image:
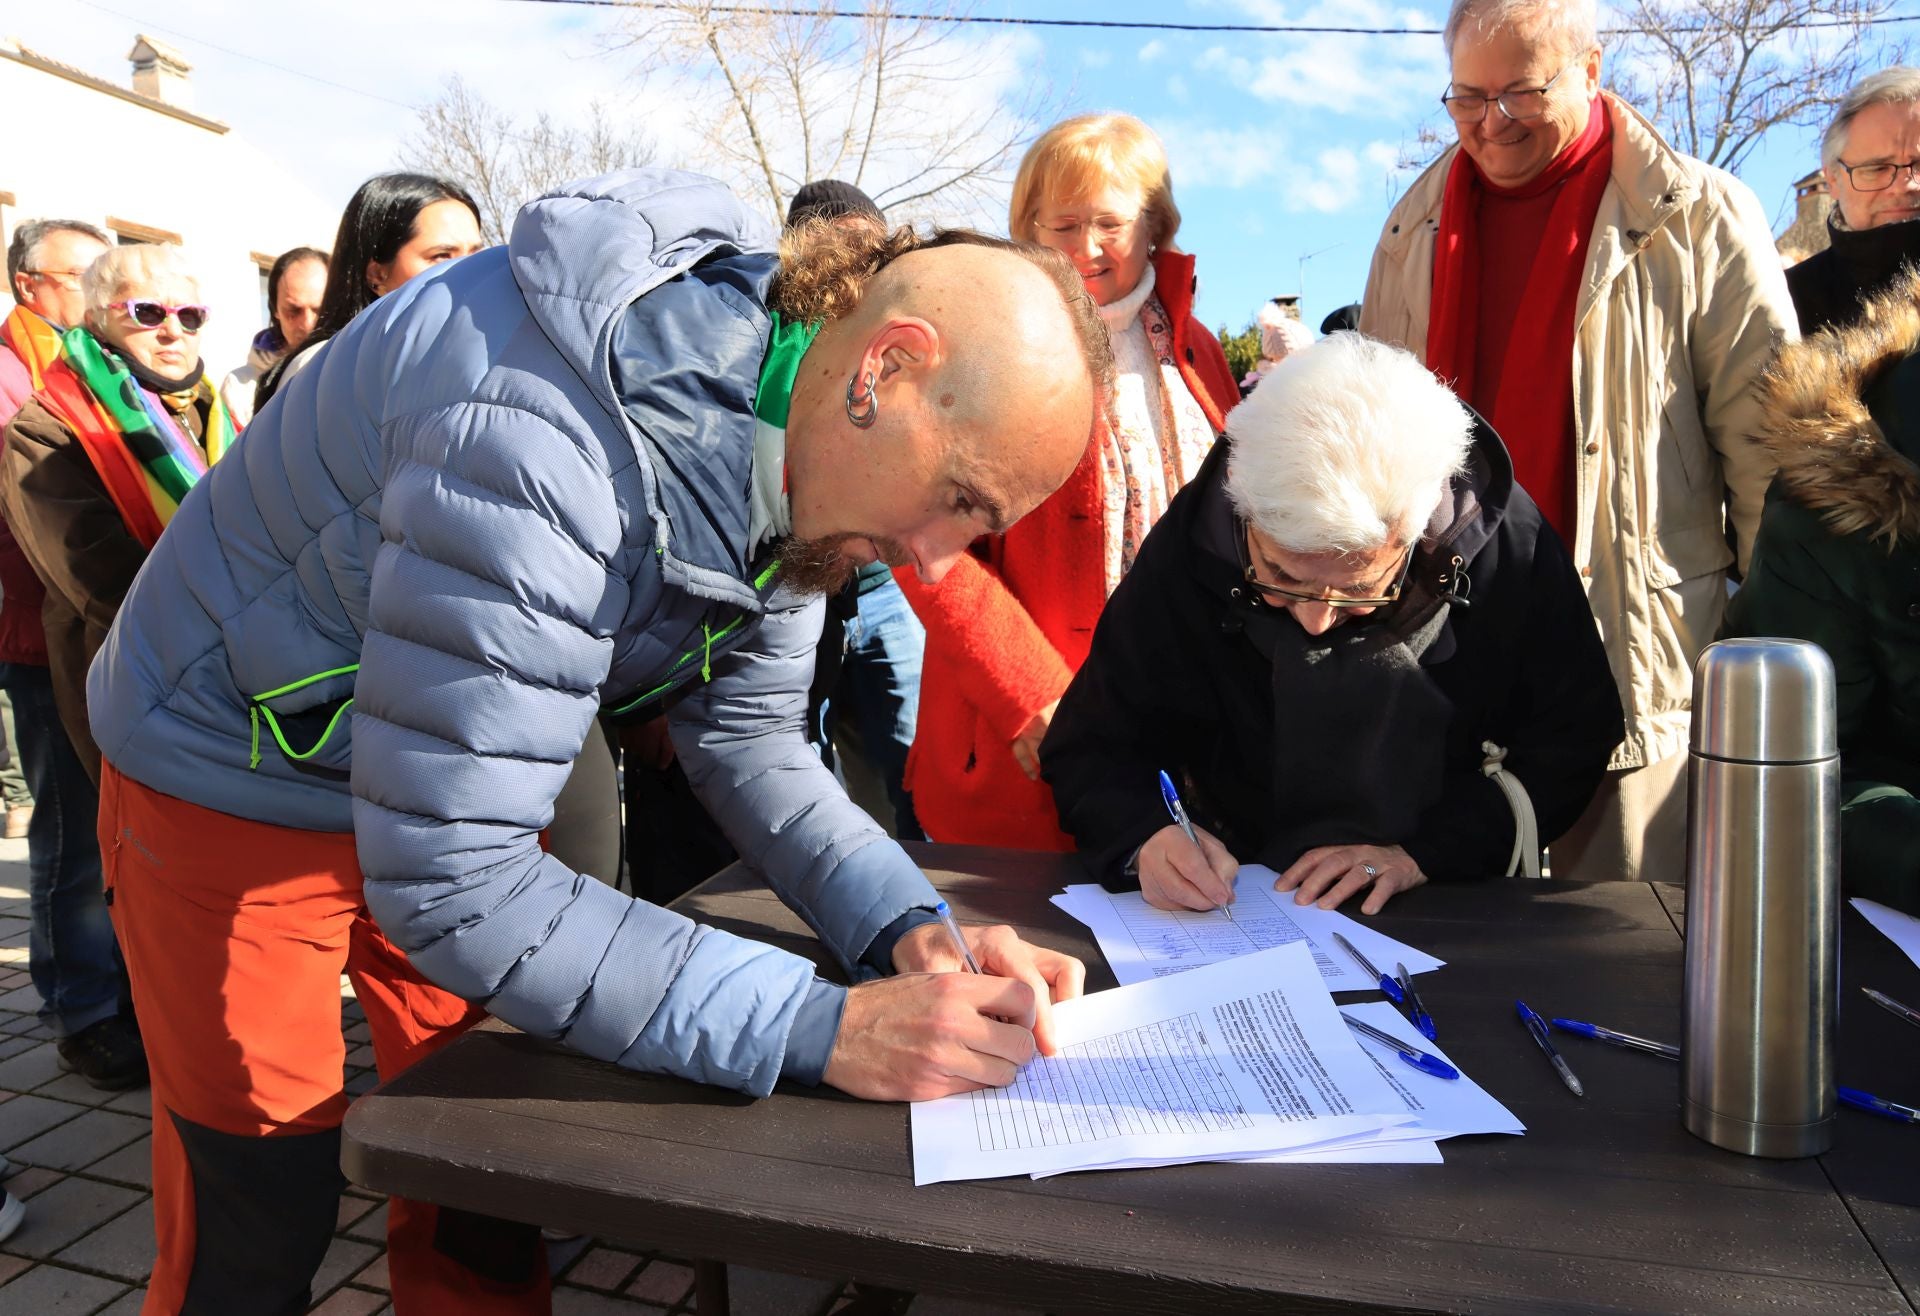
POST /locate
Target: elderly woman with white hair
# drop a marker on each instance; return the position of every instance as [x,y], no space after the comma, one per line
[124,423]
[1341,632]
[1870,155]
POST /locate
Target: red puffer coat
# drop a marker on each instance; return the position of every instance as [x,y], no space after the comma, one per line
[1011,623]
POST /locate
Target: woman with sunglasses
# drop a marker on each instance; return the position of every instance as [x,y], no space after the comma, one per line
[1009,625]
[1353,642]
[124,423]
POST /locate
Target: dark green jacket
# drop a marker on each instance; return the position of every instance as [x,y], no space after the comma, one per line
[1837,562]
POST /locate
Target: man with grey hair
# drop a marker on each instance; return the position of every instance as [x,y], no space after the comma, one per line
[1336,628]
[73,956]
[1870,155]
[1606,303]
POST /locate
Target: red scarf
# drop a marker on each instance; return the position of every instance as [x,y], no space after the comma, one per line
[1530,404]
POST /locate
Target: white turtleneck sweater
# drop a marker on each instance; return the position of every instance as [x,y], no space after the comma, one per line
[1160,435]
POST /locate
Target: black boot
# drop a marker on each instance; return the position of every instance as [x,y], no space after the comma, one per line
[109,1055]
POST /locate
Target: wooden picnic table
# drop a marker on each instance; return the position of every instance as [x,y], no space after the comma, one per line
[1606,1203]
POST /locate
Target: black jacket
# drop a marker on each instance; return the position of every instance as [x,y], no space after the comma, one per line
[1177,680]
[1831,287]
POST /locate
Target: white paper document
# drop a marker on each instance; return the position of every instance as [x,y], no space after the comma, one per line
[1902,929]
[1141,942]
[1222,1062]
[1442,1107]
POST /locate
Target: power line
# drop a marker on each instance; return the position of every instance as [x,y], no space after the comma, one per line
[241,54]
[1144,25]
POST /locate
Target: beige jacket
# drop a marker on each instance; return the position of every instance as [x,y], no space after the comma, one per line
[1684,303]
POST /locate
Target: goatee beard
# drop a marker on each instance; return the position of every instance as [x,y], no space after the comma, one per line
[821,566]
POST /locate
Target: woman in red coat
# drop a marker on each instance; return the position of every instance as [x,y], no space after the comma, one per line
[1010,624]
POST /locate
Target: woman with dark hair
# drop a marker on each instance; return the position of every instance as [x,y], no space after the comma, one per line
[396,226]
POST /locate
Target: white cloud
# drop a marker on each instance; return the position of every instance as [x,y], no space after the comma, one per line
[1096,59]
[1327,181]
[1153,50]
[1378,77]
[1177,89]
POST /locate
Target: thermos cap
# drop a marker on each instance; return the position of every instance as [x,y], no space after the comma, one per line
[1764,701]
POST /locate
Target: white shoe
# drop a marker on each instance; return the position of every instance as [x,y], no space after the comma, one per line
[12,1212]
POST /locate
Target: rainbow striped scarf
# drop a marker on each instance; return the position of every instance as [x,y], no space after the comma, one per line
[147,461]
[33,340]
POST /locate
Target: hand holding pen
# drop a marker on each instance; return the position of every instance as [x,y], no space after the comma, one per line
[1181,867]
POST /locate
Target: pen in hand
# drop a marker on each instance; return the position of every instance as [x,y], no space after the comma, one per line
[1538,1027]
[1179,812]
[945,913]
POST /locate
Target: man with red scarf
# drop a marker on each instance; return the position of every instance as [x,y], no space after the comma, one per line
[1606,303]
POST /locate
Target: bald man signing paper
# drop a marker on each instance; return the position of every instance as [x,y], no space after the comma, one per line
[606,470]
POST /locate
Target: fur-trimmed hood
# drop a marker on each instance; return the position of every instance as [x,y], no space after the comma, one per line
[1834,456]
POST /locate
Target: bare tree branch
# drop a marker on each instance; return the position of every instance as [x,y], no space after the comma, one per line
[1717,75]
[892,102]
[504,163]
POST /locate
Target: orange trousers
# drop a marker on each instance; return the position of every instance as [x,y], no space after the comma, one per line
[235,935]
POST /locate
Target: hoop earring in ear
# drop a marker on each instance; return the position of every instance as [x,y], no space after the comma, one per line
[862,406]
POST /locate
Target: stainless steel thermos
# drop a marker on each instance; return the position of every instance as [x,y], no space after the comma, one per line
[1763,899]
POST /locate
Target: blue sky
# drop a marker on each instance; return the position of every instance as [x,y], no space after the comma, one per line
[1283,147]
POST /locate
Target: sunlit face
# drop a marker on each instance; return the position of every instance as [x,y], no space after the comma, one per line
[443,231]
[932,473]
[51,289]
[1879,134]
[167,349]
[1104,235]
[1513,152]
[906,501]
[297,308]
[1367,575]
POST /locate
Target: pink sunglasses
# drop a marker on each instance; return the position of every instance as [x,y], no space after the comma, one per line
[151,315]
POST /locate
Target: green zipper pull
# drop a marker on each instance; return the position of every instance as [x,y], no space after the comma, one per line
[706,658]
[253,754]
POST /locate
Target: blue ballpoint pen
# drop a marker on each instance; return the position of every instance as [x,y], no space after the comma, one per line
[1628,1040]
[945,914]
[1179,812]
[1423,1061]
[1538,1027]
[1416,1008]
[1387,985]
[1893,1110]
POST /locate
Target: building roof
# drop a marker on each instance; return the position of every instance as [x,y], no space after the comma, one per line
[33,59]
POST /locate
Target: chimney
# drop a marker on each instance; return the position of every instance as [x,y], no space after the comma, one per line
[160,73]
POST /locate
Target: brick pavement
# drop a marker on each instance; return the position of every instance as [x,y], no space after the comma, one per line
[80,1164]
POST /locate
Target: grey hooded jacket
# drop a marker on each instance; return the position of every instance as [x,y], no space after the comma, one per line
[398,604]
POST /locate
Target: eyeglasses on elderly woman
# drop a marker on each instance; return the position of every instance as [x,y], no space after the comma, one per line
[1271,593]
[1069,228]
[151,315]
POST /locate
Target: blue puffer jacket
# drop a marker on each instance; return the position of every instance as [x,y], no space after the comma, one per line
[450,524]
